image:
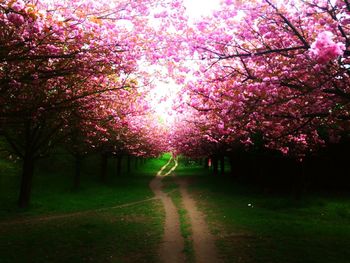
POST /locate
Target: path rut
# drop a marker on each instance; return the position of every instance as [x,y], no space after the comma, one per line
[171,250]
[203,241]
[173,243]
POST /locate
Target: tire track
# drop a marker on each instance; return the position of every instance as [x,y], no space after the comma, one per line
[203,241]
[171,250]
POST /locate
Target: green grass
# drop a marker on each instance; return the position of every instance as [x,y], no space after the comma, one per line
[118,235]
[52,187]
[153,165]
[272,229]
[128,234]
[254,227]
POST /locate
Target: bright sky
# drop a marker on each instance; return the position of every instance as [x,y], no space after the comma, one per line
[196,8]
[165,92]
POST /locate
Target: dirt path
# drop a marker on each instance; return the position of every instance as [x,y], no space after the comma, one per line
[173,243]
[171,250]
[39,219]
[203,241]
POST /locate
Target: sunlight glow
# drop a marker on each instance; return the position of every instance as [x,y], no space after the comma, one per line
[162,97]
[197,8]
[165,91]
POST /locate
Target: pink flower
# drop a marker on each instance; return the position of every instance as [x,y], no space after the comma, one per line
[221,126]
[202,26]
[53,49]
[15,19]
[18,5]
[247,142]
[284,150]
[324,49]
[161,15]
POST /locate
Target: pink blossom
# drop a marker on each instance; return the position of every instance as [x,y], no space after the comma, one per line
[53,49]
[202,26]
[161,15]
[18,5]
[247,142]
[15,19]
[324,49]
[284,150]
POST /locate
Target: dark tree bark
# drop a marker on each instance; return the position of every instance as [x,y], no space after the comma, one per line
[300,180]
[240,165]
[104,164]
[128,163]
[222,165]
[136,163]
[26,180]
[232,166]
[77,175]
[119,164]
[215,163]
[206,163]
[200,161]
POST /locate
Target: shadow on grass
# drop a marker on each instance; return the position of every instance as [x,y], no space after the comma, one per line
[128,234]
[253,226]
[123,235]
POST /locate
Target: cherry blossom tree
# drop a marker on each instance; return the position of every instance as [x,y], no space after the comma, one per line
[276,70]
[256,73]
[55,59]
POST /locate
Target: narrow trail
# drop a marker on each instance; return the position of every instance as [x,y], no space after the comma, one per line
[171,250]
[203,241]
[43,218]
[39,219]
[173,243]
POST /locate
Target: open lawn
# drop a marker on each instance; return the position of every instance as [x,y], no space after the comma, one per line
[92,224]
[84,225]
[251,226]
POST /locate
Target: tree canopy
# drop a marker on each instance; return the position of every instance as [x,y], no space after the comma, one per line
[264,72]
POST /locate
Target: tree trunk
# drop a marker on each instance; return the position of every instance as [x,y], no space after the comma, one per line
[104,164]
[128,163]
[240,162]
[136,162]
[77,174]
[222,165]
[215,165]
[232,166]
[200,161]
[26,181]
[119,165]
[206,163]
[299,181]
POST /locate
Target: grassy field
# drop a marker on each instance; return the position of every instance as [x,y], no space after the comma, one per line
[254,227]
[63,225]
